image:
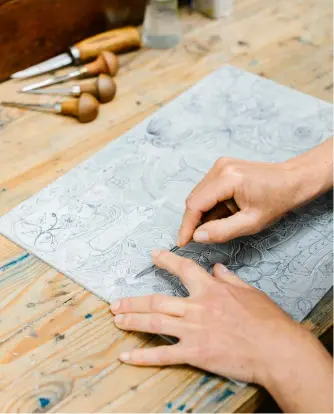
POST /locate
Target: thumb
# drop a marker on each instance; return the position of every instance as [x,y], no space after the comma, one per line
[222,273]
[223,230]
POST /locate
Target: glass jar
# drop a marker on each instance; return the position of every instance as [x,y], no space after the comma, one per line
[162,27]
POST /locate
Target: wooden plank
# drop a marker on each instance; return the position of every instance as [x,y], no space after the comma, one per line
[28,35]
[58,345]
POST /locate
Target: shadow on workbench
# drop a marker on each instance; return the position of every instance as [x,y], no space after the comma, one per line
[269,405]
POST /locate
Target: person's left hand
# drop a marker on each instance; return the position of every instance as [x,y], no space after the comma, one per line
[225,326]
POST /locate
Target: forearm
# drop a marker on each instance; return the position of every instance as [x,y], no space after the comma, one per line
[302,380]
[311,173]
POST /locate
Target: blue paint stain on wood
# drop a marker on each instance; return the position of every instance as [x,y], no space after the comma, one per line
[205,379]
[304,41]
[44,402]
[253,62]
[88,316]
[224,395]
[181,407]
[14,262]
[169,405]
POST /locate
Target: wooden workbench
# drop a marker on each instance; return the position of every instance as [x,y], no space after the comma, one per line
[58,345]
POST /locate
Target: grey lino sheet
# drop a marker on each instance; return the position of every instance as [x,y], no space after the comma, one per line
[98,223]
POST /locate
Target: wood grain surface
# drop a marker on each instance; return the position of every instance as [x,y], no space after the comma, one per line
[58,344]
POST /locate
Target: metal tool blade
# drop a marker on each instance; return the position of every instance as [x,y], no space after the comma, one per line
[34,107]
[221,210]
[38,85]
[55,91]
[145,271]
[51,81]
[153,267]
[57,62]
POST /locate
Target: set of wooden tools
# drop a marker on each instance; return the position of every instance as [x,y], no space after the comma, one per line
[88,95]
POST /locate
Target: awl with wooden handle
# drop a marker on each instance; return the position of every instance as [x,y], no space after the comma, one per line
[117,40]
[85,109]
[103,88]
[106,63]
[221,210]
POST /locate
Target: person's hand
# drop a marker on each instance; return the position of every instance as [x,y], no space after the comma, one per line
[225,326]
[263,192]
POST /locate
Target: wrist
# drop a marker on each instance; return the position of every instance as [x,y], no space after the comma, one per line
[298,186]
[279,353]
[301,369]
[306,182]
[288,345]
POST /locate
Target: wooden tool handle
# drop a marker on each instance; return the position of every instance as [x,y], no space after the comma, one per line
[104,88]
[85,109]
[106,62]
[117,40]
[221,210]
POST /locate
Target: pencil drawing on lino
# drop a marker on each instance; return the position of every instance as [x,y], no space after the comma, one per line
[98,223]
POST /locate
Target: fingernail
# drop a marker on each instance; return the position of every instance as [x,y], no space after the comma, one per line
[201,236]
[221,267]
[155,252]
[114,306]
[124,356]
[118,319]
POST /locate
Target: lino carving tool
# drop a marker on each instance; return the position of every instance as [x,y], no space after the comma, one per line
[221,210]
[106,62]
[117,40]
[103,88]
[85,109]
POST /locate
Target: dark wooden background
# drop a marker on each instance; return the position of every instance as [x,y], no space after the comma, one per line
[34,30]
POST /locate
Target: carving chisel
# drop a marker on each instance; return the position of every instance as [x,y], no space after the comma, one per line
[85,109]
[103,88]
[106,62]
[117,40]
[221,210]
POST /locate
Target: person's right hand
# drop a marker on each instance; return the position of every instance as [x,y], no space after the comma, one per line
[263,192]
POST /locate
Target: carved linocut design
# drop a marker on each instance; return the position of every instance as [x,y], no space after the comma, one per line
[98,223]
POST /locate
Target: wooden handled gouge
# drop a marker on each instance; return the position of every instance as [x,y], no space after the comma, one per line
[84,109]
[106,63]
[117,40]
[103,88]
[221,210]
